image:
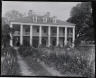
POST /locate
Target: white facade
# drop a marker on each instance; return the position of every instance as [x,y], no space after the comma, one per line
[53,34]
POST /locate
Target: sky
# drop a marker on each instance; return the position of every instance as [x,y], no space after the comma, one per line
[59,9]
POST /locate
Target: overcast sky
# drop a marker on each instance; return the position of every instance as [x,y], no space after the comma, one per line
[59,9]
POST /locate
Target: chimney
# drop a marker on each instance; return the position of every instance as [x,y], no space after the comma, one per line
[48,14]
[30,12]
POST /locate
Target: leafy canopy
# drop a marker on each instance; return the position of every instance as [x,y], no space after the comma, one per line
[81,15]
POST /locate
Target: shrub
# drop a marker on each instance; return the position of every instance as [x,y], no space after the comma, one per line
[25,50]
[29,51]
[74,61]
[26,43]
[9,64]
[42,46]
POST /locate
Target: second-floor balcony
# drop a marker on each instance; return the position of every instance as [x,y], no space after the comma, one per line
[16,33]
[69,34]
[26,33]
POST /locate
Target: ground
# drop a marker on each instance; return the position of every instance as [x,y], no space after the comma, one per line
[36,68]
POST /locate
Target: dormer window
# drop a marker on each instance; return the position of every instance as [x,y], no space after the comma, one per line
[44,19]
[54,19]
[35,18]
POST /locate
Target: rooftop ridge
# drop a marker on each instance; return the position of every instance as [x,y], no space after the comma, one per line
[39,13]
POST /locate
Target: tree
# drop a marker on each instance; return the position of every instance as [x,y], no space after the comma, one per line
[81,15]
[6,30]
[13,14]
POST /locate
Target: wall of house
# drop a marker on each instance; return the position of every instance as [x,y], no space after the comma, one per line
[24,32]
[35,33]
[45,34]
[61,34]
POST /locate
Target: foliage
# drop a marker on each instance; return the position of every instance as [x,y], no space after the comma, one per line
[9,64]
[28,50]
[13,14]
[81,15]
[74,61]
[21,49]
[6,30]
[42,45]
[26,43]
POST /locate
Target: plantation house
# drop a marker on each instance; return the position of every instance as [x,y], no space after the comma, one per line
[39,29]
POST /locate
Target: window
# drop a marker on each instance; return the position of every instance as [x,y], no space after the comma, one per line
[54,20]
[54,31]
[44,30]
[44,19]
[35,18]
[27,30]
[37,29]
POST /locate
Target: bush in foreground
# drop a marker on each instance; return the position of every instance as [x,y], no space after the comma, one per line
[9,64]
[73,61]
[29,51]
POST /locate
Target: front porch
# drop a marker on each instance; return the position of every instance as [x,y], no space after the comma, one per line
[35,41]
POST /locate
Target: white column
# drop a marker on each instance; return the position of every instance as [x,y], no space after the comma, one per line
[31,29]
[40,35]
[21,34]
[49,29]
[57,36]
[11,40]
[73,39]
[65,36]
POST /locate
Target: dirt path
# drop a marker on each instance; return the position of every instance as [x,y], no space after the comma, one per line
[51,70]
[36,67]
[24,68]
[30,67]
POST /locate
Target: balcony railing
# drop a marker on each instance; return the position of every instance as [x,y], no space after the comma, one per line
[16,33]
[53,34]
[26,33]
[69,34]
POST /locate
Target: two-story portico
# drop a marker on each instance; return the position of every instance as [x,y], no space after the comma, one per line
[45,30]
